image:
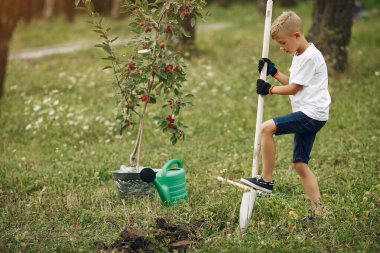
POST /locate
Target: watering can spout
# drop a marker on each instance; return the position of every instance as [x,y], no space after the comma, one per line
[163,191]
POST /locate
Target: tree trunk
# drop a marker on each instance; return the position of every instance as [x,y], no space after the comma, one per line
[331,30]
[288,3]
[49,7]
[68,9]
[115,11]
[11,11]
[6,30]
[224,3]
[188,43]
[261,6]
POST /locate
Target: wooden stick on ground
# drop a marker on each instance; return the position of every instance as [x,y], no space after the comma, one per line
[241,186]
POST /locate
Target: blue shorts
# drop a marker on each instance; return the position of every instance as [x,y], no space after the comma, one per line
[304,129]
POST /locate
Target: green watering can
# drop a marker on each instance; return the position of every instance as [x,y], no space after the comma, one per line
[170,183]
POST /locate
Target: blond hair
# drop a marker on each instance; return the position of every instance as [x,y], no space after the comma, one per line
[288,22]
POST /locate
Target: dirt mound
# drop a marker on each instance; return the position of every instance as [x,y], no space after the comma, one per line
[164,237]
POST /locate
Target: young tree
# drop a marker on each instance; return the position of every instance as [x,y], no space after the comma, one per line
[152,72]
[331,30]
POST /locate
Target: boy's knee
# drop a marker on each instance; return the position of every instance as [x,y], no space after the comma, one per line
[268,127]
[299,167]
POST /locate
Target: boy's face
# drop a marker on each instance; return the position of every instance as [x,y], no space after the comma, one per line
[289,43]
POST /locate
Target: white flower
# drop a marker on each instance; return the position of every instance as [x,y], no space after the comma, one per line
[85,127]
[56,102]
[39,121]
[36,108]
[51,112]
[227,88]
[72,79]
[108,123]
[28,127]
[46,100]
[61,74]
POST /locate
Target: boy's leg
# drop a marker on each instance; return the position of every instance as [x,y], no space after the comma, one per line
[303,144]
[268,149]
[310,185]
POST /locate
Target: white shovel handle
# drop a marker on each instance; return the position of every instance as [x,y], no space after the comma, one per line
[249,198]
[263,76]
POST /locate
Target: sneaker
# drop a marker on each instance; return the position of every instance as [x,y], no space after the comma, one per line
[258,183]
[307,219]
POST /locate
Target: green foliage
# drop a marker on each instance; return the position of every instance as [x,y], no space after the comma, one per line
[151,69]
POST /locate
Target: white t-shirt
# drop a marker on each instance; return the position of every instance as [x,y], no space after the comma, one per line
[309,70]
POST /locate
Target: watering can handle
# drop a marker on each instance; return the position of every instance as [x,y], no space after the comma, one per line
[169,164]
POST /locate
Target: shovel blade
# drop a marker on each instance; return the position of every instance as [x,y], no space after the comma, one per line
[246,207]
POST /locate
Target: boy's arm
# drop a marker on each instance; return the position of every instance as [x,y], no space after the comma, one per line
[288,89]
[282,78]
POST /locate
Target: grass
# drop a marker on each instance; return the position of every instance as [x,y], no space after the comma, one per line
[60,142]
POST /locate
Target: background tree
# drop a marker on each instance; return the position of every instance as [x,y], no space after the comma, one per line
[55,7]
[331,30]
[115,10]
[288,3]
[187,42]
[11,11]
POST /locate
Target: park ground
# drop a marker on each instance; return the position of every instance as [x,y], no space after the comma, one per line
[59,142]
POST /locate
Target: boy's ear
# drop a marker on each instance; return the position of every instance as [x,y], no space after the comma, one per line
[297,34]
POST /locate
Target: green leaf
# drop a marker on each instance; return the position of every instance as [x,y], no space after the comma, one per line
[114,38]
[193,21]
[122,128]
[98,31]
[133,24]
[152,100]
[109,58]
[174,139]
[185,33]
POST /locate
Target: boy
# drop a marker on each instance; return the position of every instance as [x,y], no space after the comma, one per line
[310,100]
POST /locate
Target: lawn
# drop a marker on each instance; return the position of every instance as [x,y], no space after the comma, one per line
[60,141]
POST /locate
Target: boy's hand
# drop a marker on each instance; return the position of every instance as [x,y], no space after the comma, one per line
[262,87]
[271,69]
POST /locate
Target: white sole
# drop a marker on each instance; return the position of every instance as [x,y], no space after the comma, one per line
[255,186]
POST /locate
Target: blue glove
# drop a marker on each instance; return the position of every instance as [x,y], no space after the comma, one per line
[271,69]
[262,87]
